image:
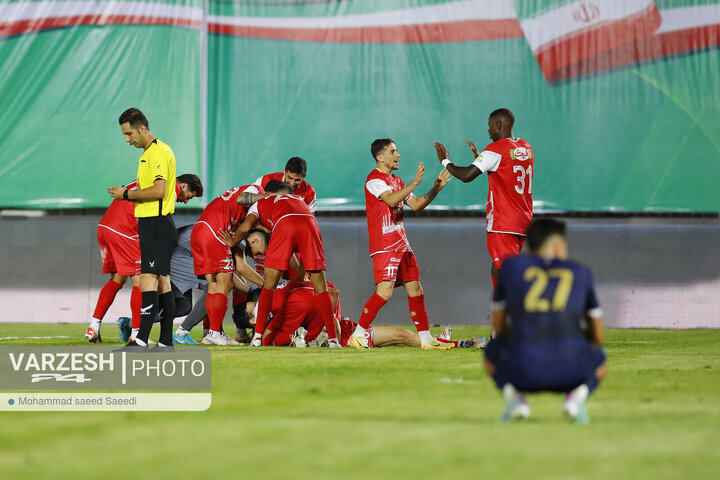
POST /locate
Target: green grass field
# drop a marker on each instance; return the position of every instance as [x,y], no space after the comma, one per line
[389,413]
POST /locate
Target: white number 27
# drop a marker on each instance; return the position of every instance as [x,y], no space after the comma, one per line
[520,188]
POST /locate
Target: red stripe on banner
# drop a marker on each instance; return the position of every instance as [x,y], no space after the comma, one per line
[656,46]
[27,26]
[463,31]
[584,44]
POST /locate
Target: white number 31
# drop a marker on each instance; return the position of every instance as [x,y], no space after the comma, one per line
[520,188]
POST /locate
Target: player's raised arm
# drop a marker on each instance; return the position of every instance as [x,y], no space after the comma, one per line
[242,232]
[393,198]
[247,198]
[466,174]
[419,203]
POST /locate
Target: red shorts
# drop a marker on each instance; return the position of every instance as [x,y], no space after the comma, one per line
[210,254]
[298,310]
[347,327]
[296,233]
[503,245]
[398,267]
[120,253]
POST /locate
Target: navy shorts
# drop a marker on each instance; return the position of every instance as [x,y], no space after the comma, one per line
[540,369]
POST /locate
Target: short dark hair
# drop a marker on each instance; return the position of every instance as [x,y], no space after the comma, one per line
[193,182]
[542,229]
[379,145]
[134,117]
[265,235]
[278,186]
[296,165]
[504,114]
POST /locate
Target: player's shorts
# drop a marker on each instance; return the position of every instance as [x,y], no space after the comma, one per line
[296,233]
[299,310]
[157,242]
[210,254]
[398,267]
[347,327]
[548,369]
[120,253]
[503,245]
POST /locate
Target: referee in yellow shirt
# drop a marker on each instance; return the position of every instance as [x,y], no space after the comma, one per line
[154,206]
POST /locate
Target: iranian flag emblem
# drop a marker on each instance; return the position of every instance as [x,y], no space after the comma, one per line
[563,33]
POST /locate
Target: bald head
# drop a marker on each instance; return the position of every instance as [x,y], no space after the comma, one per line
[500,124]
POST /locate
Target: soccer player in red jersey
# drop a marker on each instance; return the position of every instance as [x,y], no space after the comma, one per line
[120,251]
[213,258]
[394,262]
[508,161]
[294,229]
[294,175]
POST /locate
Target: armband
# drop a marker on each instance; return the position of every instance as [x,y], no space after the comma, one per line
[446,162]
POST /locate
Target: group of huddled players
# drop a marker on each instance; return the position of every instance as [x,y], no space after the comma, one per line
[272,221]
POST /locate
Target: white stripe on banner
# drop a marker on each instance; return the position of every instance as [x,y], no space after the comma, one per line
[566,20]
[446,12]
[15,12]
[688,17]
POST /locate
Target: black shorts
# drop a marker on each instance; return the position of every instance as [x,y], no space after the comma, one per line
[157,241]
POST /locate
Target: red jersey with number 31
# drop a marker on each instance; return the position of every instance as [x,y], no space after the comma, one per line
[509,165]
[224,212]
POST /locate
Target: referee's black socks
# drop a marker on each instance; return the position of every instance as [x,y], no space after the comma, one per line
[167,304]
[148,312]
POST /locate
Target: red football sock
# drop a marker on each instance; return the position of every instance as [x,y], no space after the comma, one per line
[107,295]
[135,306]
[216,304]
[370,310]
[206,320]
[264,305]
[454,342]
[239,298]
[418,314]
[325,308]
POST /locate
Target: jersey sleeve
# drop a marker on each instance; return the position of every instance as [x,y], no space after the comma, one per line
[377,187]
[158,164]
[252,189]
[258,182]
[592,307]
[499,300]
[311,199]
[254,210]
[488,161]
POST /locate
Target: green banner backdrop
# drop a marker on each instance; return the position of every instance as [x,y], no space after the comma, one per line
[619,99]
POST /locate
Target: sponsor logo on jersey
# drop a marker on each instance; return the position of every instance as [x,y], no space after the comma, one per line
[520,154]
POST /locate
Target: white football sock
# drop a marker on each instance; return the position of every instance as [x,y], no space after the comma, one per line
[425,337]
[580,394]
[359,331]
[95,324]
[133,333]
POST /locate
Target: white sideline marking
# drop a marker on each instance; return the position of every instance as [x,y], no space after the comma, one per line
[33,338]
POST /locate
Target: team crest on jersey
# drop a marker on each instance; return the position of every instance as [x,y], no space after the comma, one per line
[520,153]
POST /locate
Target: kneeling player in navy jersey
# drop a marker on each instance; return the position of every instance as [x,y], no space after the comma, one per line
[552,342]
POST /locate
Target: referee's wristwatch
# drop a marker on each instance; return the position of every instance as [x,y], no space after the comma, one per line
[125,194]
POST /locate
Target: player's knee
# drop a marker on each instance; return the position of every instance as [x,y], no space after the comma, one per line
[385,291]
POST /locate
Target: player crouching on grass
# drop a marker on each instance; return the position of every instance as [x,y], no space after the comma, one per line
[553,342]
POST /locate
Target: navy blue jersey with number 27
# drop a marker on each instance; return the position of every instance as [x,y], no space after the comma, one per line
[546,301]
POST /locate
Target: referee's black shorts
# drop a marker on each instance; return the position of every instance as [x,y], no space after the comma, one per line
[157,241]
